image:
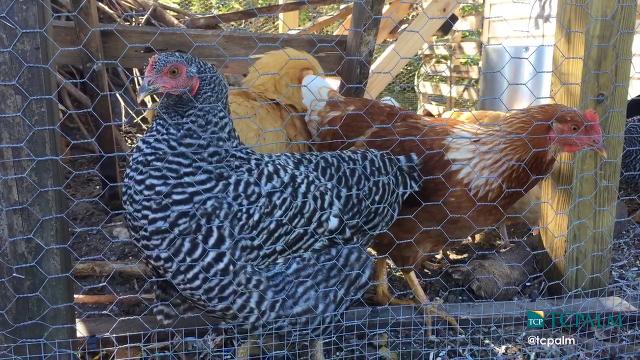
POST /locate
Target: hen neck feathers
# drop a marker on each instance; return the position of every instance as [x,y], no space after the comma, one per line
[201,121]
[492,158]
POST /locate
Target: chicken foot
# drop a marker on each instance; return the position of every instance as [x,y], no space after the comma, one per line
[430,308]
[383,292]
[503,233]
[249,348]
[384,297]
[317,351]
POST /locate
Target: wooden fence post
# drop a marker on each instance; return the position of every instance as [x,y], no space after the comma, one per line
[390,63]
[361,42]
[36,288]
[288,20]
[591,65]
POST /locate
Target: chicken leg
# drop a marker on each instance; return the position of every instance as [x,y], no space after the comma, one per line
[383,292]
[430,308]
[384,297]
[504,235]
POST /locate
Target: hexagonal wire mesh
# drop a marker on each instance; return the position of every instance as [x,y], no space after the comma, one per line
[267,252]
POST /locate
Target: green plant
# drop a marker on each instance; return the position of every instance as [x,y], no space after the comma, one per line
[471,34]
[471,9]
[470,60]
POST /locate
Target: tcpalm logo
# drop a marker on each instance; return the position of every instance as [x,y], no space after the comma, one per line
[535,319]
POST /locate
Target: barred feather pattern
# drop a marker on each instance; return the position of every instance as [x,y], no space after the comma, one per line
[630,176]
[263,239]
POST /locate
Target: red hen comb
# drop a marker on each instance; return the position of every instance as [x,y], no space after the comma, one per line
[591,116]
[151,65]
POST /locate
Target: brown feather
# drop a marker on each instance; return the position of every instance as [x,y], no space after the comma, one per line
[450,205]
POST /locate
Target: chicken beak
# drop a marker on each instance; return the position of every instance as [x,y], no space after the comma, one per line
[147,88]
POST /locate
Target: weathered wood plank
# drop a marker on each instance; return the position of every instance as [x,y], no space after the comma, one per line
[105,299]
[211,21]
[158,13]
[37,296]
[97,87]
[393,13]
[288,21]
[327,20]
[511,22]
[591,60]
[395,57]
[361,42]
[456,91]
[231,52]
[469,314]
[518,28]
[108,268]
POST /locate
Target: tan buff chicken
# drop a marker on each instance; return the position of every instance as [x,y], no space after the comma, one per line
[268,112]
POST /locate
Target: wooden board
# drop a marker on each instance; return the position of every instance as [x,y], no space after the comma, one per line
[397,55]
[288,21]
[361,43]
[513,22]
[211,21]
[469,314]
[324,21]
[231,52]
[392,14]
[579,197]
[36,294]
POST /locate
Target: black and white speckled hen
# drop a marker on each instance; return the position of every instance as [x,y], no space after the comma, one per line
[263,239]
[630,169]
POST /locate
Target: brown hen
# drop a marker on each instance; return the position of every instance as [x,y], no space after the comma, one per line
[471,171]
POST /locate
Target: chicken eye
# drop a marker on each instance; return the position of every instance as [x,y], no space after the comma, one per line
[574,128]
[174,72]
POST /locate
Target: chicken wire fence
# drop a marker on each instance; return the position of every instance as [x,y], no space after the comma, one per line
[76,285]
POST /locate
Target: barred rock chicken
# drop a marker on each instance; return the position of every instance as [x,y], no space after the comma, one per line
[471,172]
[630,169]
[271,240]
